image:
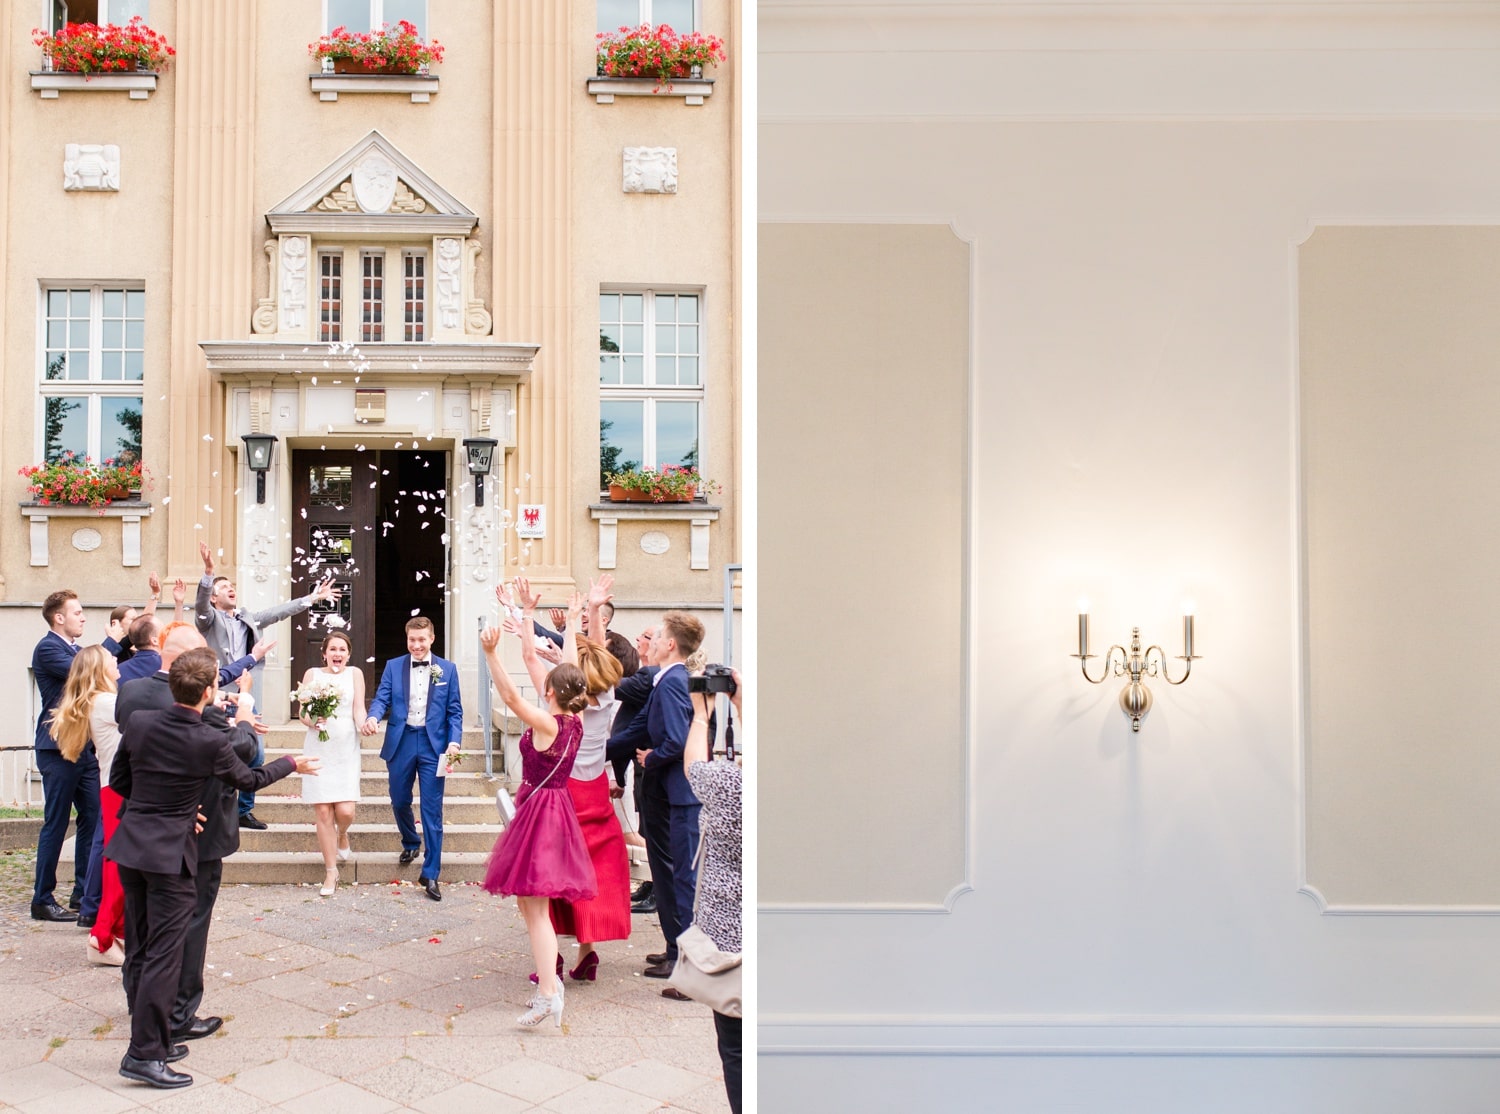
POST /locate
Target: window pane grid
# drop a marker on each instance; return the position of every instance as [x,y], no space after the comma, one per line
[414,294]
[92,336]
[372,296]
[369,15]
[330,295]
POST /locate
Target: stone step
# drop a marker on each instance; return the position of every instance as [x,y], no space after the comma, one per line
[370,761]
[379,785]
[371,837]
[377,867]
[290,736]
[456,810]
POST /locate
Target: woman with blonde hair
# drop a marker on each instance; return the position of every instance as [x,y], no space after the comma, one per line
[541,854]
[86,713]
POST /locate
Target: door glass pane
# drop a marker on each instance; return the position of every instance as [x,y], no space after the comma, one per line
[413,11]
[353,14]
[330,485]
[622,436]
[65,426]
[614,14]
[677,433]
[120,429]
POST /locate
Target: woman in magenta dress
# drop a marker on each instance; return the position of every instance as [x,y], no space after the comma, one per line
[541,854]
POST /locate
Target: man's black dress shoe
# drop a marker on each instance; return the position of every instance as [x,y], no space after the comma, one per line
[676,995]
[253,822]
[407,855]
[87,922]
[657,957]
[178,1052]
[659,970]
[198,1028]
[642,891]
[75,903]
[646,905]
[50,911]
[154,1072]
[431,886]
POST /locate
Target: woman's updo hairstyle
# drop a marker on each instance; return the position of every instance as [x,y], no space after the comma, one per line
[569,688]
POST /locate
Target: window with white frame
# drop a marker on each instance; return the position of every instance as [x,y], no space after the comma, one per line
[93,362]
[680,15]
[102,12]
[371,15]
[650,380]
[368,301]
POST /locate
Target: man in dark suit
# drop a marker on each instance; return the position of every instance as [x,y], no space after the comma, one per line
[65,785]
[631,695]
[159,769]
[219,808]
[420,692]
[659,733]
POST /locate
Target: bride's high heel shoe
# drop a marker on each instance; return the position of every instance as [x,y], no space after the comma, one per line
[543,1007]
[330,883]
[344,850]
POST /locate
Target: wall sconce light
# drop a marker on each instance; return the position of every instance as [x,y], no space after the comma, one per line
[481,452]
[258,450]
[1135,697]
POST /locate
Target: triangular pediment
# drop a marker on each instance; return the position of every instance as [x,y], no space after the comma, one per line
[370,184]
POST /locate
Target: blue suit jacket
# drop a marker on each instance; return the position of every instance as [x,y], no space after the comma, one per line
[50,662]
[662,728]
[445,712]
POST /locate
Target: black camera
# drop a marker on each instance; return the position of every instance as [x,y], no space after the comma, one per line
[716,678]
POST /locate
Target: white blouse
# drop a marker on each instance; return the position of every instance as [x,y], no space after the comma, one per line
[596,722]
[105,732]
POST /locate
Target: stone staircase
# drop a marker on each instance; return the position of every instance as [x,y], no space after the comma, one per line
[287,851]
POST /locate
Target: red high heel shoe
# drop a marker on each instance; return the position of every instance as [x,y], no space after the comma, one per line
[533,977]
[586,970]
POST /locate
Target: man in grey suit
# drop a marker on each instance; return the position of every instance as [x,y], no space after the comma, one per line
[230,632]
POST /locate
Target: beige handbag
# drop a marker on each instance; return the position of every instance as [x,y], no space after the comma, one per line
[703,972]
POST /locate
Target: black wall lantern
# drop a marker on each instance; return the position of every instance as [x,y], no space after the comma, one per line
[481,452]
[258,450]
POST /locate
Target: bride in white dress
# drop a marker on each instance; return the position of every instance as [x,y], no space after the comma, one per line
[335,790]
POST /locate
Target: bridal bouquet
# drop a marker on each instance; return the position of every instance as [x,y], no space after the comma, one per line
[318,700]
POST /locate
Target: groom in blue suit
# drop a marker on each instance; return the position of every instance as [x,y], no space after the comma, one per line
[420,691]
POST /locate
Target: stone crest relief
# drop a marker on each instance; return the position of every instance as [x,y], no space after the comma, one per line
[342,200]
[91,166]
[374,184]
[650,170]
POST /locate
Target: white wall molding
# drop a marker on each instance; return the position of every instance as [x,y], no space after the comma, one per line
[1123,1035]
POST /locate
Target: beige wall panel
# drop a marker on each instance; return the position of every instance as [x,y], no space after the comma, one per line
[53,236]
[1401,487]
[844,383]
[672,241]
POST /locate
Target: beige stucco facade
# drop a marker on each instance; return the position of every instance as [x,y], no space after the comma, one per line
[226,171]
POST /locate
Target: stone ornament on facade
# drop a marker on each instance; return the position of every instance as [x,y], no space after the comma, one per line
[293,281]
[87,540]
[650,170]
[374,181]
[91,166]
[342,200]
[449,261]
[477,322]
[655,543]
[264,318]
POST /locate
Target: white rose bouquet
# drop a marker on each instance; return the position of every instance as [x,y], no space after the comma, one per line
[318,700]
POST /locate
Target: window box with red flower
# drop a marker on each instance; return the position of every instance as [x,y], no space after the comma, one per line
[654,61]
[76,481]
[87,56]
[394,59]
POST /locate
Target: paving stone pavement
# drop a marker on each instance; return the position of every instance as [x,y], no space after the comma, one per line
[376,999]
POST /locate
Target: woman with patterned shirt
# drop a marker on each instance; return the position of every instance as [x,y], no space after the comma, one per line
[717,912]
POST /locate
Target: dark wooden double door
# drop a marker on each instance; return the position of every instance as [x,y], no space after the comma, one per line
[376,521]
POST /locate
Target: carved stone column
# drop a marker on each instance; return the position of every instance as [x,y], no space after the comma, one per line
[533,91]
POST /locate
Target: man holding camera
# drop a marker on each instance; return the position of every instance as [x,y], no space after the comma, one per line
[668,806]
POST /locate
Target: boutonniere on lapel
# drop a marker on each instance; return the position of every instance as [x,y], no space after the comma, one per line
[437,674]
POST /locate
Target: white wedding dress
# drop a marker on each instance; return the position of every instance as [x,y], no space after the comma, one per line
[338,778]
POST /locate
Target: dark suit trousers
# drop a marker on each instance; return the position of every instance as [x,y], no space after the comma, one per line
[157,910]
[65,786]
[656,828]
[195,949]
